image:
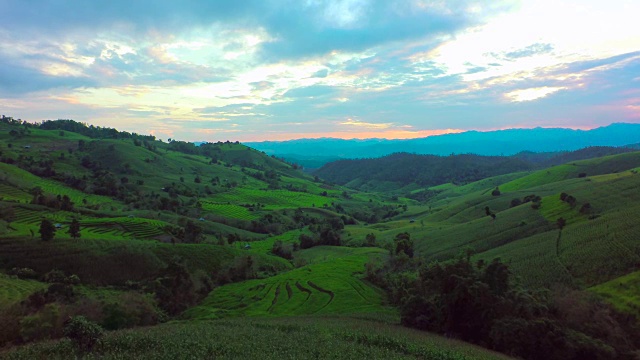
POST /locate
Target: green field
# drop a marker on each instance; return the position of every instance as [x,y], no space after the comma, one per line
[324,287]
[272,199]
[16,175]
[14,290]
[317,337]
[229,210]
[622,292]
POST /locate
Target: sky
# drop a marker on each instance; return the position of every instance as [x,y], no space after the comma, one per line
[254,70]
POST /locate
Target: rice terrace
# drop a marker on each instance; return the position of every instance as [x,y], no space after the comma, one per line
[345,179]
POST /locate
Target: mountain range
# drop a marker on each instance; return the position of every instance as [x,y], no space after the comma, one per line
[490,143]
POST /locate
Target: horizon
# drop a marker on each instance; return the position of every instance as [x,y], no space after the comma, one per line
[352,69]
[454,132]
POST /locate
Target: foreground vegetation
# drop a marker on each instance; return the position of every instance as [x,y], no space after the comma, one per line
[256,338]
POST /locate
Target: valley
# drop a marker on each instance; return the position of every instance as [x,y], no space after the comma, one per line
[222,250]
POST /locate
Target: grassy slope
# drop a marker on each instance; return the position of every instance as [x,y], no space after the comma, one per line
[260,338]
[125,259]
[622,293]
[589,252]
[13,290]
[323,287]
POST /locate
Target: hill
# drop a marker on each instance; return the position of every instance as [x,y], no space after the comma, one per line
[488,143]
[405,173]
[218,249]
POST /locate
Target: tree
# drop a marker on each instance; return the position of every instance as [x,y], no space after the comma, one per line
[403,244]
[84,333]
[65,203]
[371,239]
[192,232]
[74,228]
[47,230]
[561,222]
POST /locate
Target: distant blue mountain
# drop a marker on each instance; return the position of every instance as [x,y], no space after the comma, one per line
[501,142]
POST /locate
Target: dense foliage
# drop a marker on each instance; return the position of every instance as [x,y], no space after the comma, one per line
[424,170]
[480,303]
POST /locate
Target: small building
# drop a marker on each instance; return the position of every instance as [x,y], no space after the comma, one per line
[58,226]
[412,220]
[27,146]
[247,247]
[201,219]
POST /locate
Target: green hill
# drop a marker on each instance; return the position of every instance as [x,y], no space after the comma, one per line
[240,254]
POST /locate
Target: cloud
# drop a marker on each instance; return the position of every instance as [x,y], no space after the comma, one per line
[259,66]
[533,49]
[531,93]
[367,125]
[310,91]
[321,73]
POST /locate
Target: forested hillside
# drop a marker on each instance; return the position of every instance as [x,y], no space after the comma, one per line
[396,171]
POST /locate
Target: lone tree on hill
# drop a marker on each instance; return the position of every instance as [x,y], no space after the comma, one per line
[561,222]
[74,228]
[47,230]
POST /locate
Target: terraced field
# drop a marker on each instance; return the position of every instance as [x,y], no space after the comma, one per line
[123,227]
[10,193]
[229,210]
[533,260]
[322,288]
[272,199]
[13,290]
[541,260]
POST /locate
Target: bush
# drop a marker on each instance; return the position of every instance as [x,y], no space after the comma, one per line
[83,333]
[515,202]
[24,273]
[282,250]
[41,325]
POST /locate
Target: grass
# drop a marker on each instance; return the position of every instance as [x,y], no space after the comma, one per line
[598,166]
[125,260]
[272,199]
[585,254]
[229,210]
[317,337]
[532,260]
[324,287]
[622,293]
[265,246]
[15,175]
[14,290]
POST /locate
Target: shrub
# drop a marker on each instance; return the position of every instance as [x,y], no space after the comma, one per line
[24,273]
[83,333]
[282,250]
[55,276]
[41,325]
